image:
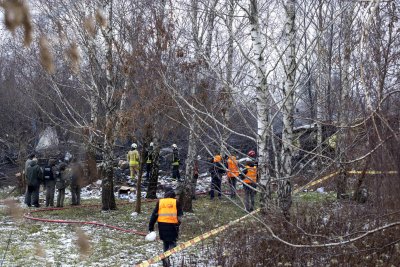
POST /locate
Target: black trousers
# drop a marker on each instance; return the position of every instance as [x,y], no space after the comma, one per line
[32,195]
[175,172]
[75,195]
[50,191]
[215,185]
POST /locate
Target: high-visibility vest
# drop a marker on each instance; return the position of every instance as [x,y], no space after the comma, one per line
[233,169]
[175,158]
[251,175]
[167,211]
[149,156]
[133,157]
[217,158]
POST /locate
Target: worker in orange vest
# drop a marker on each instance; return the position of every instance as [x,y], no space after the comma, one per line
[232,174]
[168,214]
[250,185]
[216,170]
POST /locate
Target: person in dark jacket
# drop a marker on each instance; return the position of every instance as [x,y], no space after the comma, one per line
[149,161]
[216,170]
[34,177]
[49,173]
[168,213]
[76,182]
[175,162]
[61,184]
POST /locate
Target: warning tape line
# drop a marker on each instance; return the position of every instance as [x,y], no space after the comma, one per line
[335,173]
[193,241]
[215,231]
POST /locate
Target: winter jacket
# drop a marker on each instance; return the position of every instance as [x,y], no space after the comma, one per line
[133,157]
[34,174]
[175,157]
[251,174]
[77,174]
[217,166]
[149,156]
[49,173]
[62,179]
[167,231]
[232,166]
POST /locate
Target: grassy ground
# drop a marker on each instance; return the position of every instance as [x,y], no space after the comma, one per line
[29,243]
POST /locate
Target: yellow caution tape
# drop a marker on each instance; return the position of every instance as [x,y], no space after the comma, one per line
[193,241]
[315,182]
[215,231]
[372,172]
[335,173]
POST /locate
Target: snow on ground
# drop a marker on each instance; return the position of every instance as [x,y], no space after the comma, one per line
[58,241]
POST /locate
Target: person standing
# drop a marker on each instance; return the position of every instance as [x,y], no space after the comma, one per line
[232,174]
[216,170]
[168,214]
[149,160]
[49,173]
[76,182]
[133,158]
[175,162]
[28,162]
[250,181]
[61,184]
[34,177]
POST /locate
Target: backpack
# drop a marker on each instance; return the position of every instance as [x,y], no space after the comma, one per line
[48,173]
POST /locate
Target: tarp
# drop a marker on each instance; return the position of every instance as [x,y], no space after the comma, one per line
[48,139]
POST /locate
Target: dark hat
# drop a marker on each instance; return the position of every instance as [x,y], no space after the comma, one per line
[169,193]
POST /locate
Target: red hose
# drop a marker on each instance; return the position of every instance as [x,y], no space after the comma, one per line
[30,217]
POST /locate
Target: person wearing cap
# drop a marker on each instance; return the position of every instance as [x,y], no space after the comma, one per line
[149,160]
[175,162]
[34,177]
[168,214]
[133,158]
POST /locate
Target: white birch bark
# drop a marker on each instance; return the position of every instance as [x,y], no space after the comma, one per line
[262,108]
[285,190]
[108,199]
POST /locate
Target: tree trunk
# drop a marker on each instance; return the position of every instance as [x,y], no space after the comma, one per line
[186,194]
[341,182]
[262,109]
[284,187]
[152,187]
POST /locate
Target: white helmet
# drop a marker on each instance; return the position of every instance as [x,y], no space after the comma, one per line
[151,143]
[134,145]
[174,146]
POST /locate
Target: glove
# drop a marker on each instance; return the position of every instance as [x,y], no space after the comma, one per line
[151,236]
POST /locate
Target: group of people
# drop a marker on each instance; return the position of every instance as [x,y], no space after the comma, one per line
[234,172]
[168,210]
[53,176]
[134,160]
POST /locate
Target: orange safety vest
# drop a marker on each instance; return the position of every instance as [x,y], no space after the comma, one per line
[167,211]
[251,175]
[217,158]
[233,169]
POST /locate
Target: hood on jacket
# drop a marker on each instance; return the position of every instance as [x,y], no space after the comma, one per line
[33,162]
